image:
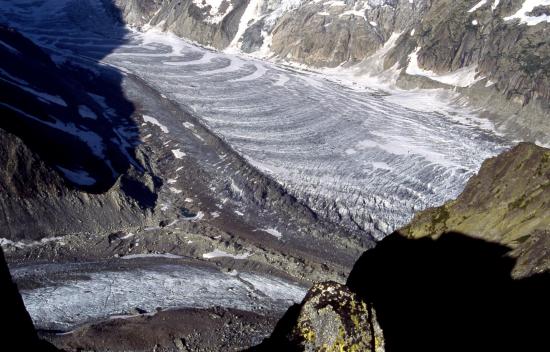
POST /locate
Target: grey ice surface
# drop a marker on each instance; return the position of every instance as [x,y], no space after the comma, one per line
[66,295]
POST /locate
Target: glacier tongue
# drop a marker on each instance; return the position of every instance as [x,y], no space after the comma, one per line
[323,141]
[73,294]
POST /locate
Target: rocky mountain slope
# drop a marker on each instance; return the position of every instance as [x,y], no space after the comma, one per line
[494,53]
[476,266]
[69,156]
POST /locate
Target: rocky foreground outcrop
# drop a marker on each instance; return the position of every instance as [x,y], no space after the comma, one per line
[507,202]
[429,287]
[331,318]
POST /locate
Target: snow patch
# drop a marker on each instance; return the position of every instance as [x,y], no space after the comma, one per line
[355,13]
[178,154]
[155,122]
[463,77]
[86,112]
[477,6]
[273,232]
[216,253]
[215,14]
[45,97]
[80,177]
[4,242]
[527,7]
[151,255]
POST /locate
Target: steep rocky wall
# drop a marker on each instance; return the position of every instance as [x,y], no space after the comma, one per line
[69,151]
[324,34]
[510,59]
[211,23]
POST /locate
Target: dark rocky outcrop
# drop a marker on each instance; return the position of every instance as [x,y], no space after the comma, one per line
[18,333]
[507,202]
[444,294]
[431,288]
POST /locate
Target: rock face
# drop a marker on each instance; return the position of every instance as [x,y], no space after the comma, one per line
[69,155]
[212,23]
[332,33]
[507,202]
[36,202]
[509,56]
[331,318]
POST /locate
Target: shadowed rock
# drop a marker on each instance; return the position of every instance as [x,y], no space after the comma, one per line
[450,294]
[436,289]
[69,147]
[18,333]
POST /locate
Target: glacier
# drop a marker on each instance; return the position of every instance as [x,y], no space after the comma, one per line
[363,158]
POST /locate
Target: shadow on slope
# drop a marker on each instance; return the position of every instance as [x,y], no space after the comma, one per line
[453,293]
[58,98]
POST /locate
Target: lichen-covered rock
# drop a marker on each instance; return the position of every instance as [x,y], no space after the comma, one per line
[333,318]
[533,254]
[330,318]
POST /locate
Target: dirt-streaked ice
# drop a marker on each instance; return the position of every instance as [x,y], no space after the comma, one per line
[91,295]
[365,158]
